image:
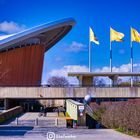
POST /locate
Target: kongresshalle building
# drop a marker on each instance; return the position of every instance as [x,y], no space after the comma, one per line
[21,64]
[22,56]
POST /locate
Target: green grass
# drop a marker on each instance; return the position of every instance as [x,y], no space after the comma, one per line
[121,130]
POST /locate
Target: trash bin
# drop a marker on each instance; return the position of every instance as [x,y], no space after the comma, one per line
[69,122]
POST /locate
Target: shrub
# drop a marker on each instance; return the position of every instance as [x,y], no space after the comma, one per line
[124,115]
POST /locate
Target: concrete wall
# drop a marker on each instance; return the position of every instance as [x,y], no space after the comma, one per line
[8,114]
[50,93]
[52,102]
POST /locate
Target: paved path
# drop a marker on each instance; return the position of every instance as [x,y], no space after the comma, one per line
[30,132]
[29,119]
[34,115]
[38,133]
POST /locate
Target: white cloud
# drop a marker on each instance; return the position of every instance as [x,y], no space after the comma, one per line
[70,68]
[78,68]
[10,27]
[66,69]
[76,47]
[122,68]
[58,59]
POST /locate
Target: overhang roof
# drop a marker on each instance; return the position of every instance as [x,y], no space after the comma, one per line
[109,74]
[46,34]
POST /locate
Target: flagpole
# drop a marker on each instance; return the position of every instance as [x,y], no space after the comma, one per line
[131,45]
[110,52]
[110,61]
[89,52]
[110,56]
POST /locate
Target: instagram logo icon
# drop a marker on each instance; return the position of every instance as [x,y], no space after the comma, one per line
[50,136]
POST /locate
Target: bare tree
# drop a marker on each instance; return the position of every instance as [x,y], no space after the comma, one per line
[123,83]
[136,81]
[99,82]
[57,81]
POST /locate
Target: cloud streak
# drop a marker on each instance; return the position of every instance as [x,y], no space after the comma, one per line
[79,68]
[10,27]
[76,47]
[66,69]
[122,68]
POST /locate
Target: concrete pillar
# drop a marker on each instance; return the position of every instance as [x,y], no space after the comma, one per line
[6,104]
[85,80]
[80,78]
[114,80]
[36,122]
[16,121]
[56,122]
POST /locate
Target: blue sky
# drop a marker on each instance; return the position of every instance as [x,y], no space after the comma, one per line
[71,53]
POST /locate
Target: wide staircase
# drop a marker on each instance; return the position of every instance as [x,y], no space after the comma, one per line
[32,119]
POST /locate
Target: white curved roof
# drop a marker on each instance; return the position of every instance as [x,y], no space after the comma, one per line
[46,34]
[5,36]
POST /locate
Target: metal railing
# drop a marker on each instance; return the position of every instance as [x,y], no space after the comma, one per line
[71,86]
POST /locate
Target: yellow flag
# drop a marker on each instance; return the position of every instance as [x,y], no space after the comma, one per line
[116,36]
[135,36]
[93,37]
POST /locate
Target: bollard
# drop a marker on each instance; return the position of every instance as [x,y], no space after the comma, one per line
[56,121]
[17,121]
[36,121]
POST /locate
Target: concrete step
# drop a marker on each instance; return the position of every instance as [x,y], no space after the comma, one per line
[47,122]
